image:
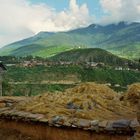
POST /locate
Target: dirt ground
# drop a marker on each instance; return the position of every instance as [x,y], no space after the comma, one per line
[12,130]
[6,134]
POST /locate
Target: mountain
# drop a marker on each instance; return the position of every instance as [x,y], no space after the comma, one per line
[122,39]
[90,55]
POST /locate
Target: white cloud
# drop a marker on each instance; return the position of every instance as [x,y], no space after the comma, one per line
[121,10]
[20,19]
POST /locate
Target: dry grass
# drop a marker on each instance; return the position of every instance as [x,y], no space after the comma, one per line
[133,93]
[87,100]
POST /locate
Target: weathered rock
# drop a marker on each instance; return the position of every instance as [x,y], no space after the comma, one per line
[22,114]
[44,120]
[103,124]
[94,122]
[57,125]
[74,126]
[121,124]
[71,105]
[94,125]
[67,123]
[34,117]
[109,126]
[62,120]
[54,120]
[134,123]
[58,120]
[83,123]
[9,104]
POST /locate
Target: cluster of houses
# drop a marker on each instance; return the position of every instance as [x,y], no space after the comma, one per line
[33,63]
[119,68]
[86,64]
[46,63]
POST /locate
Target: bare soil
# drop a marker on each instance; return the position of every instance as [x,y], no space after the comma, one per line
[11,130]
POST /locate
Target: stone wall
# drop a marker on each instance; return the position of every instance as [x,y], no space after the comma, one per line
[44,132]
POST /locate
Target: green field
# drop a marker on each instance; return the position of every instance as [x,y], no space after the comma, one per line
[31,78]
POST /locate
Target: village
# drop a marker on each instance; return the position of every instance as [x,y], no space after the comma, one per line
[86,64]
[30,61]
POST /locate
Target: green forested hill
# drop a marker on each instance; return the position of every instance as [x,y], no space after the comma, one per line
[90,55]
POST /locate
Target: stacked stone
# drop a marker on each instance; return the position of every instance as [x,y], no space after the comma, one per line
[105,126]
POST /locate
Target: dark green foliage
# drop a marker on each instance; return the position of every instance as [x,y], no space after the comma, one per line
[122,78]
[31,78]
[32,89]
[90,55]
[40,73]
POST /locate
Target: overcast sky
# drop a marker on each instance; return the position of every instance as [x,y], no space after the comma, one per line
[23,18]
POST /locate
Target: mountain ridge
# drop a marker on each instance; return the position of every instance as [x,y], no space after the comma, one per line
[121,39]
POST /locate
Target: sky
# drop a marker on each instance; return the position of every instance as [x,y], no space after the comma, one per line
[20,19]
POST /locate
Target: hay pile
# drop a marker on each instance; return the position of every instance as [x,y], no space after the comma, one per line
[133,93]
[87,101]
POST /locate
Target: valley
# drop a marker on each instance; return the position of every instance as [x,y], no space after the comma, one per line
[29,76]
